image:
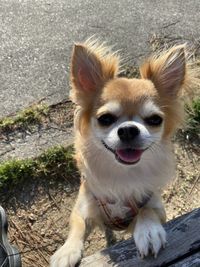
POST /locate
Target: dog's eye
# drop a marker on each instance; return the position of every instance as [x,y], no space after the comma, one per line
[154,120]
[107,119]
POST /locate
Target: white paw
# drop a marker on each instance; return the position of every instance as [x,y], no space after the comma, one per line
[149,236]
[67,256]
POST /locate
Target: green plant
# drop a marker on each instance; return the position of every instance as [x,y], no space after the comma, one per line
[31,115]
[193,119]
[55,162]
[16,170]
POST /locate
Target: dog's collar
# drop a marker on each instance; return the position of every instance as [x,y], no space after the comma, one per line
[120,222]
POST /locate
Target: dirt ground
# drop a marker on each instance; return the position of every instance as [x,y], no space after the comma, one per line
[39,210]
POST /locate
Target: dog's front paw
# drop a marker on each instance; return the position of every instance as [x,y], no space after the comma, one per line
[149,237]
[67,256]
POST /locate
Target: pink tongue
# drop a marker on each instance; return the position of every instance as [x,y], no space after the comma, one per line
[129,155]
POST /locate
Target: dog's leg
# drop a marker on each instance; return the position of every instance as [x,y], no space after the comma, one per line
[110,237]
[70,253]
[149,234]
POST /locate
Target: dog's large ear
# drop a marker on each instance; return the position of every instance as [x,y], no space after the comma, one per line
[92,66]
[167,71]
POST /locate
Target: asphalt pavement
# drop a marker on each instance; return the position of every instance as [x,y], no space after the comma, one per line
[36,38]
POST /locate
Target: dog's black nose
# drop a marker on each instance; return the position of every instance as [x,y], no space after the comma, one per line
[128,133]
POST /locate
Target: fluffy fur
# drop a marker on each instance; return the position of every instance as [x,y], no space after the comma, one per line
[110,166]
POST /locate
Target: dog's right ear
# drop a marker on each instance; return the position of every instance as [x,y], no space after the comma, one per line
[167,71]
[92,66]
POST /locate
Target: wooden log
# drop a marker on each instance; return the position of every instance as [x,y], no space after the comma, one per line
[191,261]
[183,236]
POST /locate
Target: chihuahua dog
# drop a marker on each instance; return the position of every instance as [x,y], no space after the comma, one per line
[122,141]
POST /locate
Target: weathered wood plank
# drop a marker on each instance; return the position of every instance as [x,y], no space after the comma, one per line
[192,261]
[183,241]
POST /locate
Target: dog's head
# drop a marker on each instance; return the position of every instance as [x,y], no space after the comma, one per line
[127,117]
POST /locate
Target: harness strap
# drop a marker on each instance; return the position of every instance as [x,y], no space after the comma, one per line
[120,223]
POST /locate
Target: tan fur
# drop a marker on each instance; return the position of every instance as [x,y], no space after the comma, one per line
[105,67]
[94,83]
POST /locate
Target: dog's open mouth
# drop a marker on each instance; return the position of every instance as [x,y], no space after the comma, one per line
[126,155]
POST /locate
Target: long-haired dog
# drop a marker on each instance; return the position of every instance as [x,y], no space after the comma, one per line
[122,141]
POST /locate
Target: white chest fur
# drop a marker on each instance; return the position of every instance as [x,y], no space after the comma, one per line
[108,178]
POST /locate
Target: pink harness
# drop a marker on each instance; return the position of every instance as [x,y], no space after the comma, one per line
[120,223]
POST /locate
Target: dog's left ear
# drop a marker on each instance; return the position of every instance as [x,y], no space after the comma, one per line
[91,67]
[167,71]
